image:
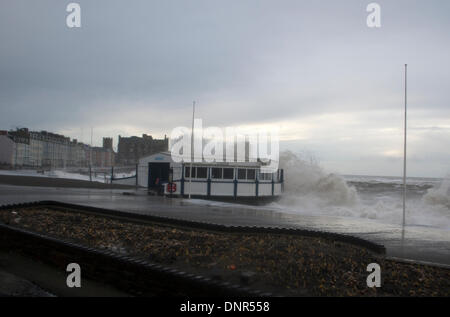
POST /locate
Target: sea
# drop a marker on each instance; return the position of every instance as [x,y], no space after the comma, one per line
[310,190]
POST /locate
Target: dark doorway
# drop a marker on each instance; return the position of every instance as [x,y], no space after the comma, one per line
[158,173]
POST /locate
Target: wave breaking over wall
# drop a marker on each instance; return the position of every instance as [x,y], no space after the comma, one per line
[310,190]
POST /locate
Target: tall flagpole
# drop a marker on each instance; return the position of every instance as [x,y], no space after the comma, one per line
[404,154]
[90,157]
[192,149]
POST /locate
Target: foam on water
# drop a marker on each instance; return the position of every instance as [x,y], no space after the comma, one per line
[440,195]
[312,191]
[307,183]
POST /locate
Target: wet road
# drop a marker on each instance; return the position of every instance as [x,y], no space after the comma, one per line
[421,243]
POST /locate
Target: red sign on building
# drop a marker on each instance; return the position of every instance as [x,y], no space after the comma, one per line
[172,187]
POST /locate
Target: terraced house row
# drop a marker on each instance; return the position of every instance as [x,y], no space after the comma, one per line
[24,148]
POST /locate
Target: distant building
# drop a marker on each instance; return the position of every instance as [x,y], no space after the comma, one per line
[7,149]
[24,148]
[131,149]
[108,143]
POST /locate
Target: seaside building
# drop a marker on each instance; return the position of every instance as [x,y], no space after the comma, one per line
[131,149]
[7,149]
[24,148]
[108,143]
[243,181]
[102,157]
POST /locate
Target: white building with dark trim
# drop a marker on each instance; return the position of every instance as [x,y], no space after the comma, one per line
[229,181]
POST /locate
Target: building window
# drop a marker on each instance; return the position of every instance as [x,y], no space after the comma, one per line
[197,172]
[202,172]
[242,173]
[265,176]
[228,173]
[187,171]
[251,174]
[216,173]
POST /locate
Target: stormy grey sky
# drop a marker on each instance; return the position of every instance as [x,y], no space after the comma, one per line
[313,68]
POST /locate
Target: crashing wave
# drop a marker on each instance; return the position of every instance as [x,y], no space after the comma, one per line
[439,195]
[311,190]
[307,180]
